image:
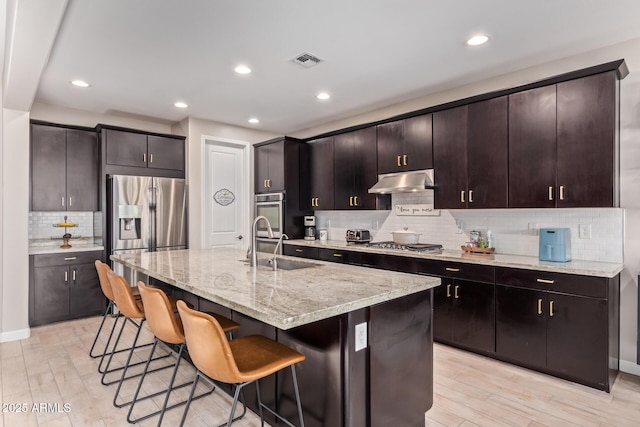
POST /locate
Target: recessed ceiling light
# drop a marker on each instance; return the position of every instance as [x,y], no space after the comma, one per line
[180,105]
[254,120]
[477,40]
[323,96]
[242,69]
[80,83]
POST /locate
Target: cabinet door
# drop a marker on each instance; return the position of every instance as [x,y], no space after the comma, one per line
[321,152]
[473,305]
[48,168]
[577,343]
[261,161]
[586,141]
[532,148]
[418,143]
[365,168]
[443,317]
[487,154]
[390,146]
[450,158]
[85,297]
[276,159]
[50,298]
[343,171]
[126,148]
[521,325]
[82,170]
[165,153]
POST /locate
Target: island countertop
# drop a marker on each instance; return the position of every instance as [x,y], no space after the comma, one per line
[283,298]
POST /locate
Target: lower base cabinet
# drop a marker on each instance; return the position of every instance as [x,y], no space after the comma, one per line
[570,329]
[64,286]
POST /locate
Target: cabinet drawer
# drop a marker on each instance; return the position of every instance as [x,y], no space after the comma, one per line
[345,257]
[301,251]
[47,260]
[458,270]
[588,286]
[390,262]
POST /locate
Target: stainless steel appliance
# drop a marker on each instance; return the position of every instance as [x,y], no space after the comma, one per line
[145,214]
[417,247]
[309,227]
[270,206]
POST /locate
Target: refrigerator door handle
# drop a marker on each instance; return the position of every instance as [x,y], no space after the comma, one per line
[153,194]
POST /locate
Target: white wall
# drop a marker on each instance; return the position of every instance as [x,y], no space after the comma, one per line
[629,156]
[195,129]
[15,205]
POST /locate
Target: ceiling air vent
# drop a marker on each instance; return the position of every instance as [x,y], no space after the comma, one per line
[307,60]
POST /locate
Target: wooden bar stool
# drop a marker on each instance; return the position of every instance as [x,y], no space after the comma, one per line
[240,362]
[167,327]
[133,309]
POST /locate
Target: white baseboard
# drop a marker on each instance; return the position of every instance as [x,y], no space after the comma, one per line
[630,367]
[15,335]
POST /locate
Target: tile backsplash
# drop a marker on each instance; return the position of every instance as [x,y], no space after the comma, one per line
[41,225]
[510,227]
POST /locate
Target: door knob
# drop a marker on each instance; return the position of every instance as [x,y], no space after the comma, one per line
[240,237]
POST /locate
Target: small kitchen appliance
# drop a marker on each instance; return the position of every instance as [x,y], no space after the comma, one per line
[358,236]
[555,244]
[310,227]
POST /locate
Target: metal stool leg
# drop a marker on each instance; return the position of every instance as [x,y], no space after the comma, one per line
[104,317]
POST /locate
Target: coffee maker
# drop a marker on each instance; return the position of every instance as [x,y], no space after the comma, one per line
[309,228]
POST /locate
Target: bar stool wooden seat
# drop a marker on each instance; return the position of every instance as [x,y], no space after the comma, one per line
[167,327]
[240,362]
[132,309]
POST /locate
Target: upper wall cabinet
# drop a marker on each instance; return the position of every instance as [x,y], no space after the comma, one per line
[470,155]
[270,167]
[64,169]
[562,144]
[321,173]
[140,150]
[355,169]
[405,145]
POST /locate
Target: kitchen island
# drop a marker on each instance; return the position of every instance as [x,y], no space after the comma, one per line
[367,334]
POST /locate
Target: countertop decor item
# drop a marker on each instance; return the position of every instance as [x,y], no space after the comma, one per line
[406,236]
[473,249]
[66,236]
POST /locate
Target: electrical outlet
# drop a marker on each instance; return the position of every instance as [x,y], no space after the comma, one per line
[361,336]
[584,231]
[533,228]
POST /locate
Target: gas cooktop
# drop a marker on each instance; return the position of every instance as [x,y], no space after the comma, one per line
[418,247]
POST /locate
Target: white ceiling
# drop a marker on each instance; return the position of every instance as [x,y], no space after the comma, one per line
[141,56]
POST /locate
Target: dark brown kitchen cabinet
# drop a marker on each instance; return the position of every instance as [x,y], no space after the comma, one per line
[470,155]
[532,148]
[563,324]
[64,286]
[300,251]
[405,145]
[64,168]
[142,150]
[321,173]
[562,144]
[355,169]
[463,305]
[587,157]
[269,166]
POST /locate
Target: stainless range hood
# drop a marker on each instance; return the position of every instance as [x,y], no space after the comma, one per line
[404,182]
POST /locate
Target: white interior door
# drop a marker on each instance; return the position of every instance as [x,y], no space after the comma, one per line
[225,204]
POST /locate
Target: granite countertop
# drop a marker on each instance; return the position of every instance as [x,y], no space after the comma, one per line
[47,246]
[584,268]
[283,298]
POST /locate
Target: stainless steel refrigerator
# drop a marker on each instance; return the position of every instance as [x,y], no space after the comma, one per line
[145,214]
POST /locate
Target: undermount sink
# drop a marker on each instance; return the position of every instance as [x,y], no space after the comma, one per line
[286,264]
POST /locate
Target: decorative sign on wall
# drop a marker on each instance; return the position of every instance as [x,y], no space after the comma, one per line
[417,210]
[224,197]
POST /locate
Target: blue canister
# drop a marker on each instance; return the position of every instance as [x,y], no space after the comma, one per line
[555,244]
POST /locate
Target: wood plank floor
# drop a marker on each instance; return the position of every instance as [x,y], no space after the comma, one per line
[53,367]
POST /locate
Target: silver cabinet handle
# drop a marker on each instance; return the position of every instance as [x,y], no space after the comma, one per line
[449,290]
[549,282]
[299,250]
[144,157]
[404,160]
[399,161]
[462,196]
[70,204]
[550,308]
[455,292]
[355,200]
[470,196]
[66,276]
[550,192]
[71,258]
[151,158]
[62,201]
[562,192]
[73,275]
[539,305]
[452,269]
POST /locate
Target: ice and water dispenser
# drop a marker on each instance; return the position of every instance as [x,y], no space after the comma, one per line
[129,219]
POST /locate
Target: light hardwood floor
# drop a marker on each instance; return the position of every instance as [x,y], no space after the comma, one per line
[53,367]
